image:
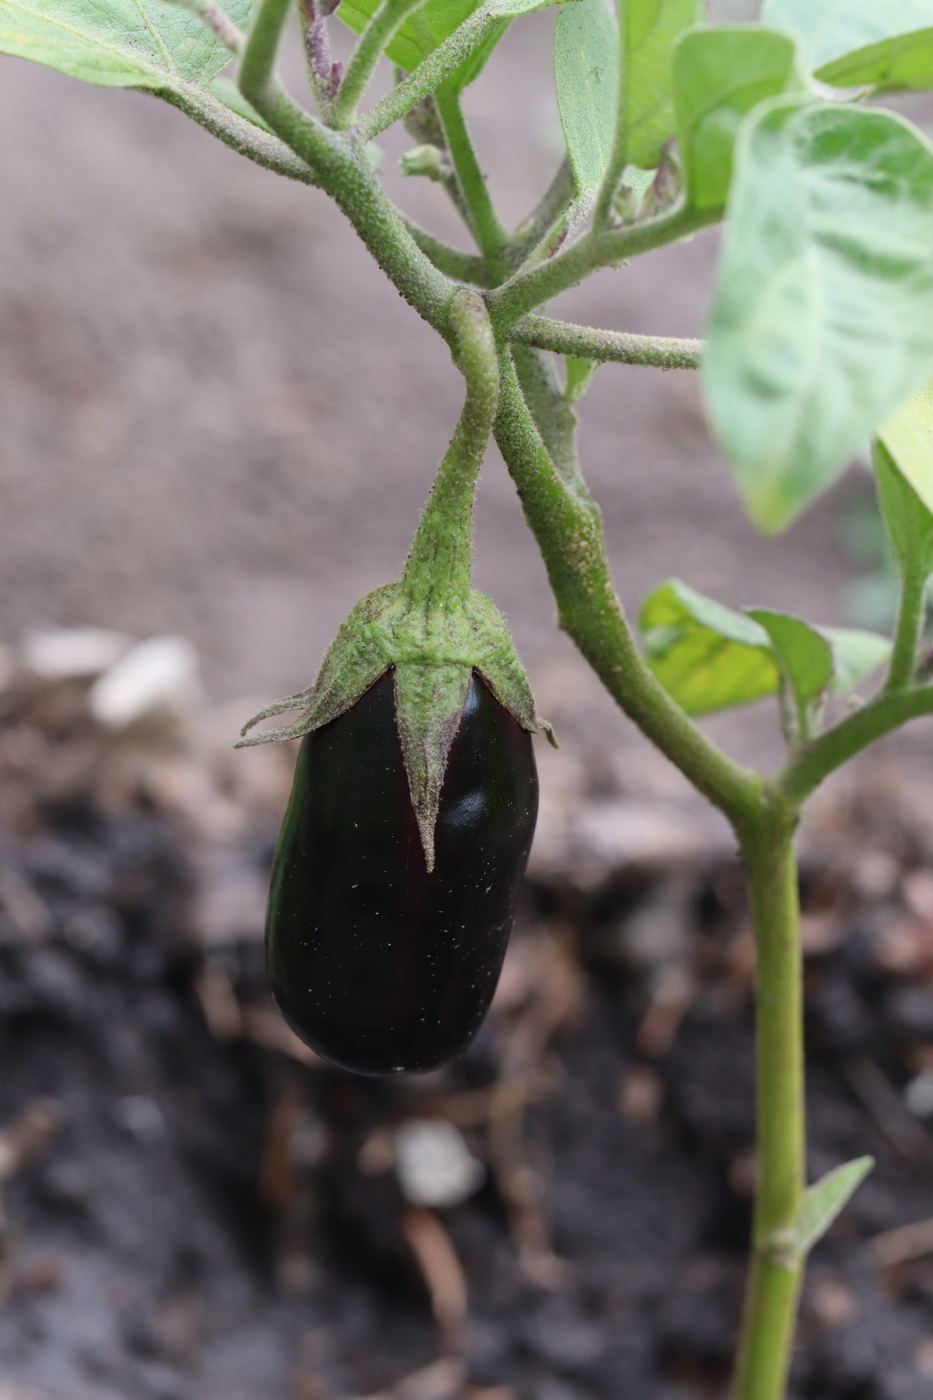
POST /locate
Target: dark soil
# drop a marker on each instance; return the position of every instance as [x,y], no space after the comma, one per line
[158,1250]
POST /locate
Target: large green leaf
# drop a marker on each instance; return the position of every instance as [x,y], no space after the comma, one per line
[893,65]
[586,77]
[719,75]
[823,319]
[709,657]
[652,27]
[705,655]
[828,29]
[908,437]
[117,43]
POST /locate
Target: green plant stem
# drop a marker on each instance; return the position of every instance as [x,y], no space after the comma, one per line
[554,417]
[438,65]
[341,167]
[370,48]
[528,289]
[491,237]
[814,761]
[774,1281]
[907,634]
[464,267]
[664,352]
[245,137]
[439,564]
[567,525]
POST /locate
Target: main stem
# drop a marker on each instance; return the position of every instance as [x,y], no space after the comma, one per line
[774,1282]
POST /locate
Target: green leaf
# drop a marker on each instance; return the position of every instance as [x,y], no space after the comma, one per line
[894,65]
[826,1200]
[827,29]
[586,76]
[908,437]
[652,29]
[804,656]
[434,22]
[705,655]
[823,318]
[719,75]
[909,522]
[117,43]
[579,377]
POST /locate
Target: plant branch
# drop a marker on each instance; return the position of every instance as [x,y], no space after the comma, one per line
[464,267]
[341,167]
[910,615]
[663,352]
[370,48]
[554,418]
[567,525]
[774,1281]
[814,761]
[529,288]
[439,564]
[491,237]
[428,75]
[245,137]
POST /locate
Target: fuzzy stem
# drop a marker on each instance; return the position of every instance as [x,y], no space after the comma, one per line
[439,564]
[530,287]
[774,1281]
[372,44]
[491,237]
[623,347]
[438,65]
[567,525]
[341,167]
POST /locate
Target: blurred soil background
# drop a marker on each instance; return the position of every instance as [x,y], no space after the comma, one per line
[219,424]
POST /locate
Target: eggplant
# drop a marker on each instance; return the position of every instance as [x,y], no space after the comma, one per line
[376,963]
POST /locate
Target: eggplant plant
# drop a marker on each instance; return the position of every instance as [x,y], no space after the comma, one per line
[820,339]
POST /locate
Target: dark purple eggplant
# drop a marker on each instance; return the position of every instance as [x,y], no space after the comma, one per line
[376,963]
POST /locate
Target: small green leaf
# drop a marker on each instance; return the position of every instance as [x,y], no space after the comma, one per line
[586,76]
[823,319]
[909,522]
[908,437]
[856,654]
[824,1201]
[719,75]
[894,65]
[804,656]
[705,655]
[828,29]
[579,376]
[117,43]
[652,29]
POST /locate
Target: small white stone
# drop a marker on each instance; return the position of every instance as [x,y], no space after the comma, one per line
[62,653]
[918,1095]
[434,1165]
[160,673]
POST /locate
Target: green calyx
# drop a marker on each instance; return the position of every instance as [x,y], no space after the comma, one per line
[431,627]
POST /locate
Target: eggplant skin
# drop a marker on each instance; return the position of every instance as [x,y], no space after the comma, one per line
[376,964]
